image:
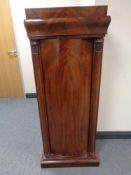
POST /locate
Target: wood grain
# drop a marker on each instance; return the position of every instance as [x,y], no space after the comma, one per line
[67,74]
[56,22]
[67,46]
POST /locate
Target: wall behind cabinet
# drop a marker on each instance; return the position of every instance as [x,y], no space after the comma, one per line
[115,98]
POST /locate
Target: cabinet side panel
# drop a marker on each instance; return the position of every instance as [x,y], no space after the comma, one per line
[67,77]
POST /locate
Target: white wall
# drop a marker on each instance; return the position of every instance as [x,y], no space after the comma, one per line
[115,98]
[23,47]
[87,2]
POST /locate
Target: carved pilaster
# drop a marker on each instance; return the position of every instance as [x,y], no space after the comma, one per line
[99,45]
[95,84]
[35,47]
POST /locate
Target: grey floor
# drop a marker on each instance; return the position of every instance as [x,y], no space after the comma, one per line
[21,146]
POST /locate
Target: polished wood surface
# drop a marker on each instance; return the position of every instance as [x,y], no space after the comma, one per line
[67,76]
[67,45]
[10,78]
[67,21]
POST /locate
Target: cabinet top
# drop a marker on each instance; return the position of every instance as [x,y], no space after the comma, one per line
[90,21]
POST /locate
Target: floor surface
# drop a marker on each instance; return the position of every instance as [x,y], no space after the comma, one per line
[21,145]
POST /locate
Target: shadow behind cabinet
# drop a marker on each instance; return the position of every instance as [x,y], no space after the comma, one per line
[67,45]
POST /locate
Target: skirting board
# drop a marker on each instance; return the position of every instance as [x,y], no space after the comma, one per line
[113,135]
[30,95]
[100,134]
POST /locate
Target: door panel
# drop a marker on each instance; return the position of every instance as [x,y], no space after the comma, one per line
[67,77]
[10,81]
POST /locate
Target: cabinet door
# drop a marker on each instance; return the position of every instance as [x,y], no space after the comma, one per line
[67,80]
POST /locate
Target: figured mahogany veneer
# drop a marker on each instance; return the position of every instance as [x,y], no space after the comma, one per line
[67,46]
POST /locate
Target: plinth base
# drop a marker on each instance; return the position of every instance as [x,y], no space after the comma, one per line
[69,161]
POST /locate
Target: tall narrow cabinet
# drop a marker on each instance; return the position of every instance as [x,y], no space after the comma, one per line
[67,46]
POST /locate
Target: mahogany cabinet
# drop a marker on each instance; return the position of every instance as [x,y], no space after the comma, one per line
[67,46]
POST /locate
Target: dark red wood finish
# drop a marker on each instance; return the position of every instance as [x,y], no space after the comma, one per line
[67,46]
